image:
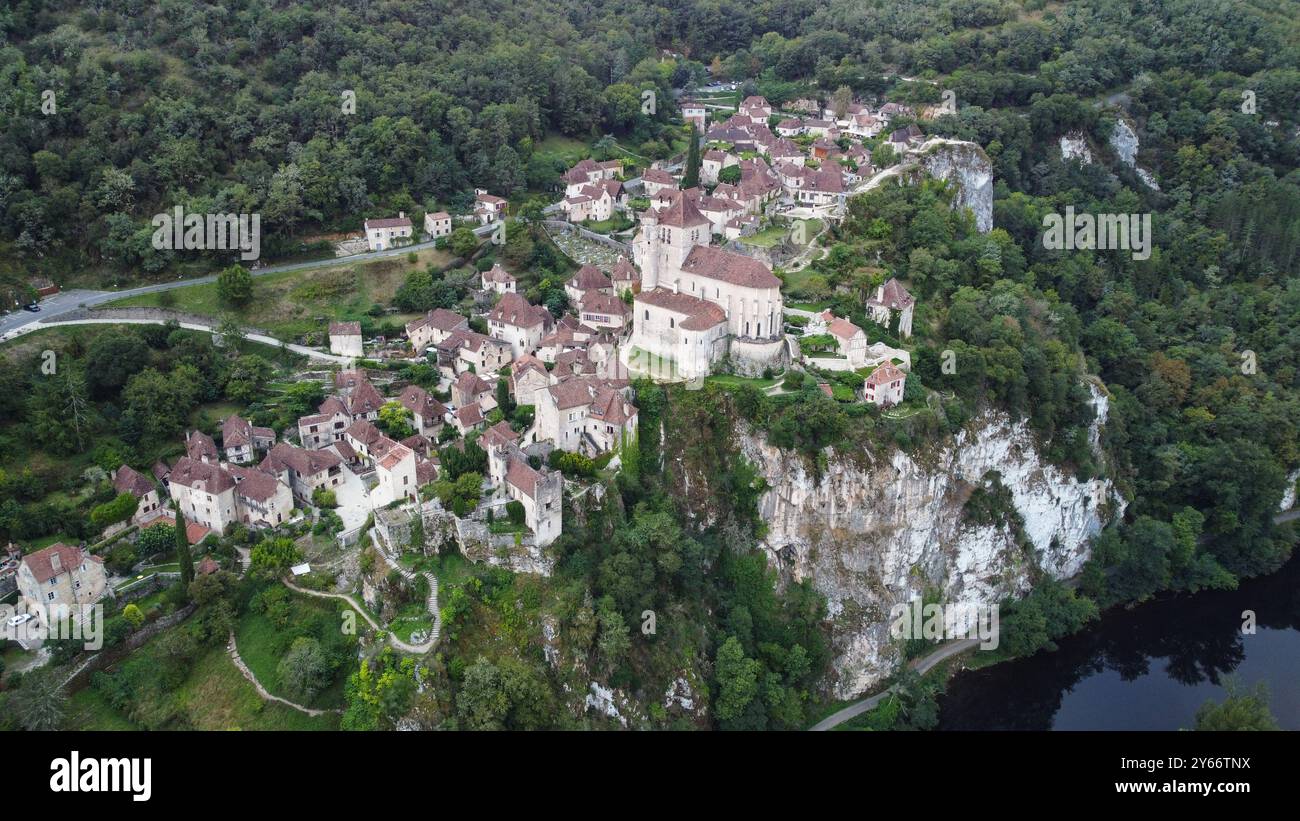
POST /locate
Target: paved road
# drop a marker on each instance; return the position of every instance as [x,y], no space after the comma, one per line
[921,666]
[66,301]
[948,651]
[194,326]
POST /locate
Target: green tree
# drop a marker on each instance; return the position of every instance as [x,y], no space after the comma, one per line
[235,286]
[737,681]
[183,557]
[305,670]
[1241,710]
[133,615]
[691,177]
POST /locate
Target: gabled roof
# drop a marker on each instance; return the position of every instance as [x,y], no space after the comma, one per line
[255,484]
[527,362]
[730,267]
[885,373]
[127,480]
[41,562]
[198,444]
[513,309]
[589,277]
[522,476]
[345,329]
[470,415]
[892,295]
[421,403]
[300,460]
[440,319]
[472,384]
[598,302]
[194,532]
[839,326]
[625,271]
[236,432]
[389,222]
[395,456]
[658,176]
[498,274]
[192,473]
[499,434]
[365,398]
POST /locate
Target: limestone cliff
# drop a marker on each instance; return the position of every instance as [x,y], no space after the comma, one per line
[967,167]
[874,534]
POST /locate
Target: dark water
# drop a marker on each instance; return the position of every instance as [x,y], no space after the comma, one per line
[1148,668]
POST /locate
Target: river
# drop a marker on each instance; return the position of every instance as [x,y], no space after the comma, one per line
[1148,668]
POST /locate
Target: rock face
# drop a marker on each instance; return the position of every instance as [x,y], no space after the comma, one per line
[967,167]
[1074,146]
[876,535]
[1125,142]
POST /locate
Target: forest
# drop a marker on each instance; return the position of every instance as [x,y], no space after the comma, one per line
[235,107]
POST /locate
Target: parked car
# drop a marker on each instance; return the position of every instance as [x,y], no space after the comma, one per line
[32,307]
[21,618]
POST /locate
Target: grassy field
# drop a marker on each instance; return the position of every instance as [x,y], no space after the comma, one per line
[215,696]
[259,643]
[295,303]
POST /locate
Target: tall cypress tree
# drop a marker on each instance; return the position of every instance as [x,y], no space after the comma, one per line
[183,557]
[692,176]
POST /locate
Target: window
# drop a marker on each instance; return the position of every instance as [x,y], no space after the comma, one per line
[50,596]
[672,323]
[54,581]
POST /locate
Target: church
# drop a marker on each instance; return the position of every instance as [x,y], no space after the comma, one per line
[699,304]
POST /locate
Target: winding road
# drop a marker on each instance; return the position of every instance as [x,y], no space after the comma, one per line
[66,301]
[924,665]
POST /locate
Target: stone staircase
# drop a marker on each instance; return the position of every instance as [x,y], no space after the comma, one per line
[433,607]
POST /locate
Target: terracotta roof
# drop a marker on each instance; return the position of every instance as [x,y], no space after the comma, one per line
[439,318]
[492,198]
[499,434]
[522,476]
[194,532]
[681,213]
[625,271]
[589,277]
[472,384]
[885,373]
[610,407]
[497,274]
[737,269]
[893,296]
[395,456]
[127,480]
[198,444]
[255,484]
[659,176]
[426,471]
[597,302]
[701,315]
[839,326]
[349,378]
[439,216]
[345,450]
[160,470]
[236,432]
[527,362]
[513,309]
[421,403]
[207,566]
[345,329]
[470,415]
[191,473]
[389,222]
[365,399]
[363,432]
[41,565]
[300,460]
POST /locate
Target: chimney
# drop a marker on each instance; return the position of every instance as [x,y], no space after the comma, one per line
[401,215]
[56,562]
[880,293]
[674,286]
